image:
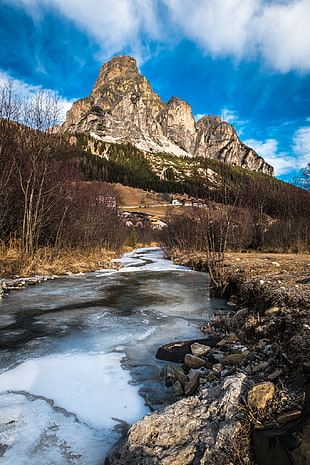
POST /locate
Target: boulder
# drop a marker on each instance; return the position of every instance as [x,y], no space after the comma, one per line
[176,351]
[195,429]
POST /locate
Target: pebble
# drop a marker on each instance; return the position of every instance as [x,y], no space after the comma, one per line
[272,311]
[260,367]
[217,368]
[275,375]
[290,416]
[233,359]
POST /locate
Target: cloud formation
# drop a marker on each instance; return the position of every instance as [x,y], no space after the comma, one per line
[301,146]
[284,162]
[276,32]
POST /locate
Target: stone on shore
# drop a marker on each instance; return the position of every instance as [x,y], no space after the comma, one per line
[199,349]
[191,361]
[195,429]
[233,359]
[173,373]
[260,395]
[192,386]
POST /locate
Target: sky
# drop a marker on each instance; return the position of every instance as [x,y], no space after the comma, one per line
[247,61]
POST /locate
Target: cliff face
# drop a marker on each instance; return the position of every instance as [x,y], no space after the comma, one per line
[123,107]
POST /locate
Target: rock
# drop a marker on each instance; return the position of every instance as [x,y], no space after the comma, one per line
[211,377]
[178,388]
[233,359]
[260,395]
[260,366]
[218,356]
[202,371]
[268,349]
[290,416]
[272,311]
[217,368]
[191,387]
[195,429]
[191,361]
[173,373]
[261,343]
[176,351]
[275,374]
[229,339]
[199,349]
[123,107]
[252,356]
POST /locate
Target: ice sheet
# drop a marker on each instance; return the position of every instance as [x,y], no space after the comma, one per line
[93,387]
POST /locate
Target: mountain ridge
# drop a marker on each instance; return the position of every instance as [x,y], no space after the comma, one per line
[122,107]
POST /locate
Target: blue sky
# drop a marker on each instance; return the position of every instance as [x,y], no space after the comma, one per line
[245,60]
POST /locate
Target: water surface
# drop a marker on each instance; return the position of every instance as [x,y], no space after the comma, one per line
[83,359]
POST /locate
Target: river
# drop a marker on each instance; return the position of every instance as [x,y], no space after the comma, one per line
[83,362]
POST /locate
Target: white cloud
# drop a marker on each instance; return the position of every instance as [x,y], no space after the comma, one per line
[301,146]
[113,24]
[277,31]
[268,149]
[199,116]
[283,162]
[27,91]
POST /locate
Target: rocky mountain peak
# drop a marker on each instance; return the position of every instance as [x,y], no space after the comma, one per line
[121,66]
[123,107]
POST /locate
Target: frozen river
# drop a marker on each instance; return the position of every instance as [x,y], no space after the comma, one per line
[84,359]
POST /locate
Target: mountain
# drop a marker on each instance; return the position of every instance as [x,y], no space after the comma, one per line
[123,107]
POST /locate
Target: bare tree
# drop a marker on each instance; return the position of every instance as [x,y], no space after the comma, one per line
[9,112]
[35,164]
[42,110]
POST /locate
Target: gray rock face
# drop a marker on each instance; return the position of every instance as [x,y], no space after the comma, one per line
[193,430]
[122,107]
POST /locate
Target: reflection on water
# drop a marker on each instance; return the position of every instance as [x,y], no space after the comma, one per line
[73,338]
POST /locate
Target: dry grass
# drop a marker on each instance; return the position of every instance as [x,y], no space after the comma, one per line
[49,261]
[131,196]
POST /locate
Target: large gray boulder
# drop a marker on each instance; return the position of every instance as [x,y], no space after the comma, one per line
[195,430]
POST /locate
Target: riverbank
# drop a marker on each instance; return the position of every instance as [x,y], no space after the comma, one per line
[249,404]
[48,263]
